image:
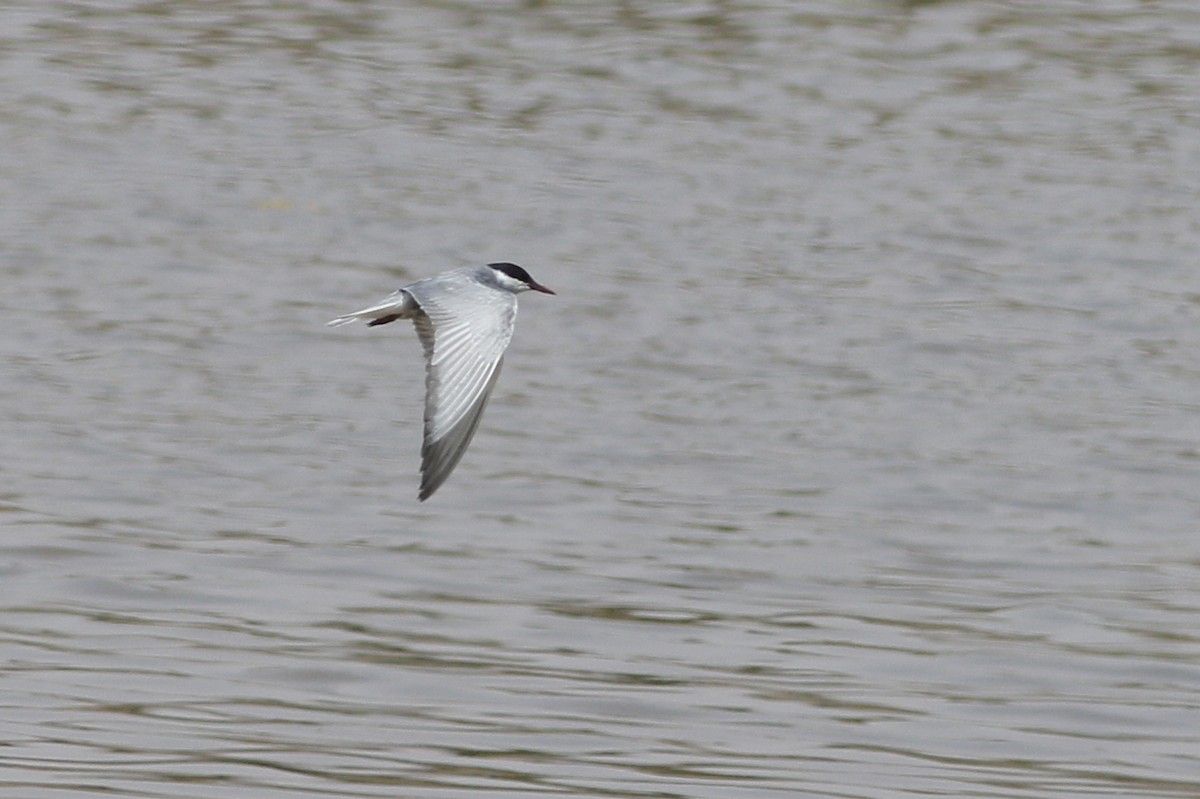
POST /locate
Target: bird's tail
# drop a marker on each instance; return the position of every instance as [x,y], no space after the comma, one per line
[396,306]
[343,320]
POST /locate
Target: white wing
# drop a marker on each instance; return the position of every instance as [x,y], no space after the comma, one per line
[465,328]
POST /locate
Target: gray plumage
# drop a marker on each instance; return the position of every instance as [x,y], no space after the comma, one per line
[465,320]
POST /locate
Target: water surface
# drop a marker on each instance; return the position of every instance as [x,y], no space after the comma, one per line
[856,456]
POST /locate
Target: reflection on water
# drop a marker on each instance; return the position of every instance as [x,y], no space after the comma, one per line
[857,458]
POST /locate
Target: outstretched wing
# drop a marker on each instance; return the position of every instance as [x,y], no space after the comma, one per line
[465,328]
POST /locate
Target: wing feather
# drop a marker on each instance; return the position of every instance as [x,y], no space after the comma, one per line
[464,328]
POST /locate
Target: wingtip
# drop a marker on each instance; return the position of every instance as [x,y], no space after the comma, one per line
[429,486]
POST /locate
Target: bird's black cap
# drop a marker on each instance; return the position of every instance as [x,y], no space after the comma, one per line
[513,271]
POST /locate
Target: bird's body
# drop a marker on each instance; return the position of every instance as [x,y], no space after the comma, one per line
[465,320]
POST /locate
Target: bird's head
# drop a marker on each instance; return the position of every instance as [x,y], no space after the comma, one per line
[515,279]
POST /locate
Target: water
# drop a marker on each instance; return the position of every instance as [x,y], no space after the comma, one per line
[856,456]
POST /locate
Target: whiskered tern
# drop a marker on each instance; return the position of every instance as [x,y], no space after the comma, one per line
[465,320]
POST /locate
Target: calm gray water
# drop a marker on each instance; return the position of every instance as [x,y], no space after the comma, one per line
[856,457]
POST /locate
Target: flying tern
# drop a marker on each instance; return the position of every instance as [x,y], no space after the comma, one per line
[465,320]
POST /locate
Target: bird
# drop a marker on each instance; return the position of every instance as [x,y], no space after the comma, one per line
[464,319]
